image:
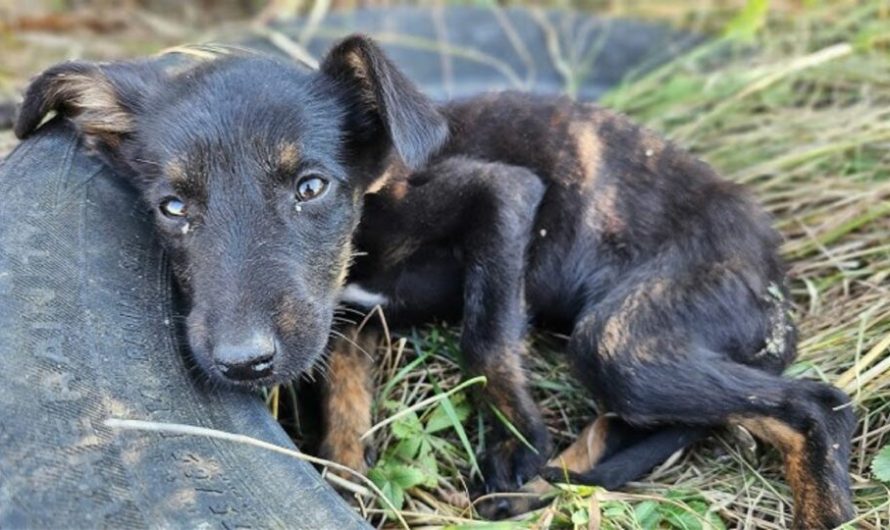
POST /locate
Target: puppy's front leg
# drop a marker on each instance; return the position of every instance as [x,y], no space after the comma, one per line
[347,397]
[489,210]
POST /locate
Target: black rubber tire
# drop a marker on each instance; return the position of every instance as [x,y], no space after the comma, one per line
[85,334]
[86,327]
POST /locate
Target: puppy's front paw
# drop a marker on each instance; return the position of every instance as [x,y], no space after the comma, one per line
[505,468]
[349,451]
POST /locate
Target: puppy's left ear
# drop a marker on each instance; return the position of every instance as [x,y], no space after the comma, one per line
[383,100]
[100,99]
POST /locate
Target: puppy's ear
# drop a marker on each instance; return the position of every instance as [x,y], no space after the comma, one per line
[101,100]
[380,96]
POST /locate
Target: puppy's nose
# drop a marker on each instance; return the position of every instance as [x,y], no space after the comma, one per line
[251,359]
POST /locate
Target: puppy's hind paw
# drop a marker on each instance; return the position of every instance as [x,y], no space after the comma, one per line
[558,475]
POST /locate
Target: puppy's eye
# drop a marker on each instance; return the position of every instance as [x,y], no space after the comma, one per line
[173,207]
[311,187]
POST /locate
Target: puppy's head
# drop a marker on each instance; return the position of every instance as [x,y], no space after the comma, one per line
[255,170]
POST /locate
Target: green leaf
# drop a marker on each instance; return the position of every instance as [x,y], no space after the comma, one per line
[749,21]
[442,418]
[880,466]
[688,515]
[715,521]
[407,448]
[407,426]
[580,517]
[429,467]
[392,491]
[614,510]
[647,515]
[394,479]
[405,476]
[682,519]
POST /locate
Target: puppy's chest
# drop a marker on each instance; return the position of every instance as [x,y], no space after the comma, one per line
[420,286]
[415,278]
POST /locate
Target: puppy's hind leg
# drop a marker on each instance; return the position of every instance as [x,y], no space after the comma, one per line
[608,453]
[809,422]
[634,453]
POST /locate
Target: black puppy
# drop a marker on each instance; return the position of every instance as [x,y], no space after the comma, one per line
[269,179]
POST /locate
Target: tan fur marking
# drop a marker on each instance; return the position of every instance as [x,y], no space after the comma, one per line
[615,337]
[359,66]
[586,450]
[288,156]
[175,171]
[398,190]
[380,182]
[394,175]
[96,108]
[342,266]
[348,398]
[615,331]
[809,501]
[505,379]
[588,148]
[605,214]
[287,316]
[648,349]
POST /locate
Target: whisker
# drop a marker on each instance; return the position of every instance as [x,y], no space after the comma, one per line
[352,342]
[350,310]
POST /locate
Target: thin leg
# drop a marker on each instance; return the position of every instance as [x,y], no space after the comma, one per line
[347,399]
[608,453]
